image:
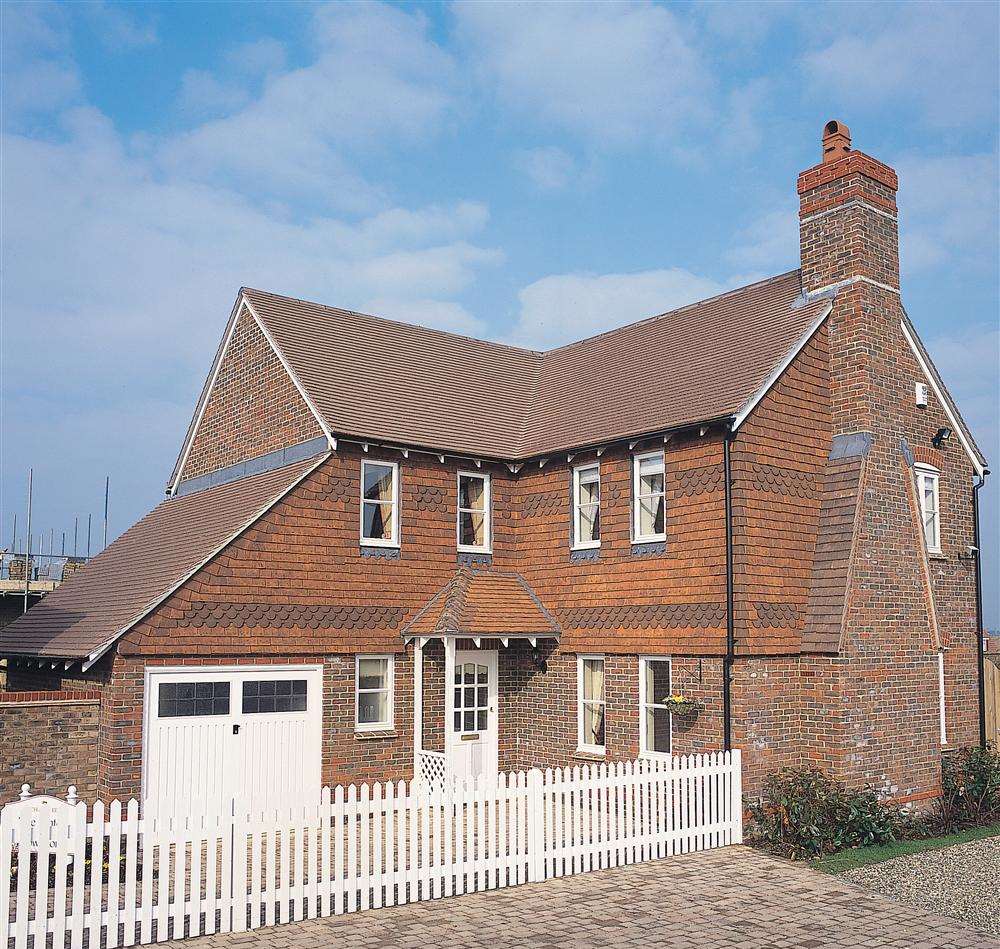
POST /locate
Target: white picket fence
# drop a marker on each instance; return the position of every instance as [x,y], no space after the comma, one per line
[115,878]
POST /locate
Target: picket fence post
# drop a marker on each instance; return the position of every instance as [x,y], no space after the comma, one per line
[536,826]
[736,769]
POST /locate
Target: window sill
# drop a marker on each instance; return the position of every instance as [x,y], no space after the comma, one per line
[386,553]
[375,733]
[642,548]
[585,754]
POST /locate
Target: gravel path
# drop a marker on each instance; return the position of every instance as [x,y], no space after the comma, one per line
[962,881]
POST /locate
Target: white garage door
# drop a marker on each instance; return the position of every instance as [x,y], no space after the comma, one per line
[250,735]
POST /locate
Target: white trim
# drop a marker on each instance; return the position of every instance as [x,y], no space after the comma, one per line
[376,541]
[580,745]
[643,705]
[418,703]
[97,653]
[945,403]
[291,374]
[578,544]
[848,282]
[779,370]
[638,538]
[941,702]
[389,688]
[151,672]
[928,473]
[483,476]
[234,318]
[849,204]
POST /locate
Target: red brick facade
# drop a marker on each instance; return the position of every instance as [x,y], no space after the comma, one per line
[297,587]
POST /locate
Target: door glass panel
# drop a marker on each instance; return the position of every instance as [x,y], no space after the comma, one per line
[470,721]
[185,699]
[472,697]
[482,720]
[483,674]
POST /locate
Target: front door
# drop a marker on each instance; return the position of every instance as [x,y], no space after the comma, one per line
[472,731]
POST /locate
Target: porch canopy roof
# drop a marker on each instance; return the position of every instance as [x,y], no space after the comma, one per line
[483,604]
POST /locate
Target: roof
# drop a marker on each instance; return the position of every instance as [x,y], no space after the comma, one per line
[484,603]
[99,603]
[452,393]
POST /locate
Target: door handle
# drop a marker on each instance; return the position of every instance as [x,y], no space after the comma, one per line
[236,729]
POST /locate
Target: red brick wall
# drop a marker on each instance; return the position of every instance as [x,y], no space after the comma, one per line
[254,406]
[49,741]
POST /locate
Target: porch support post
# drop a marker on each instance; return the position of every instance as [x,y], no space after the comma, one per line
[418,703]
[449,689]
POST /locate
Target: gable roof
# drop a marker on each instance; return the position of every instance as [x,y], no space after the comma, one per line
[371,378]
[86,613]
[484,603]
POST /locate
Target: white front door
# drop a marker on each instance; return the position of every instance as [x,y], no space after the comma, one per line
[472,733]
[215,736]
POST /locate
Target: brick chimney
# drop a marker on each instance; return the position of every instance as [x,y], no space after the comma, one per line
[847,217]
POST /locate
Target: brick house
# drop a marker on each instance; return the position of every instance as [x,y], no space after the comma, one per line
[389,550]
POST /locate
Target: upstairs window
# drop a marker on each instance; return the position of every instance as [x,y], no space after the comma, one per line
[927,492]
[648,498]
[590,699]
[380,503]
[587,507]
[473,512]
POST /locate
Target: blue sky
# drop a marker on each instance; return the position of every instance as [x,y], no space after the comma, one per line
[529,173]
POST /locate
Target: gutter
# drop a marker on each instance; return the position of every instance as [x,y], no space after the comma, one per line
[980,653]
[727,662]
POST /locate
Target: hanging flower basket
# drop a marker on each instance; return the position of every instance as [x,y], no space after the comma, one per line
[682,705]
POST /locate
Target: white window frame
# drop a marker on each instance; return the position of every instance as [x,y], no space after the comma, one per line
[580,745]
[638,537]
[578,472]
[389,689]
[487,547]
[925,474]
[643,705]
[376,541]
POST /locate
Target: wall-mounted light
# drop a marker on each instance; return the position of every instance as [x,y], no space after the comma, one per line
[941,436]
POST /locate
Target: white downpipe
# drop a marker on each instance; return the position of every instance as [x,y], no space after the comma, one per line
[944,729]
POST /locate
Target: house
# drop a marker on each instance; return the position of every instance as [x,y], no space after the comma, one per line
[388,550]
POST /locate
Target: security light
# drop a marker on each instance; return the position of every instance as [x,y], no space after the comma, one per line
[941,436]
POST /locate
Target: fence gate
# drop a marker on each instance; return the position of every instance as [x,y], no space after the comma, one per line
[113,877]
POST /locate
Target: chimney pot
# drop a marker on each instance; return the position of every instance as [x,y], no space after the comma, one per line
[836,141]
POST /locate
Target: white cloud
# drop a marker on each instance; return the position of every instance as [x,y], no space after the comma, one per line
[117,28]
[939,58]
[612,73]
[204,94]
[549,168]
[565,307]
[769,243]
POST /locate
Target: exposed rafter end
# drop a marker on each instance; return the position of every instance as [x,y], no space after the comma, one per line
[514,468]
[668,438]
[600,451]
[534,641]
[441,458]
[702,432]
[364,447]
[505,641]
[542,462]
[406,452]
[477,641]
[478,462]
[569,458]
[632,445]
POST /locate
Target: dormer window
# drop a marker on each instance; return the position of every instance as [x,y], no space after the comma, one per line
[586,507]
[474,512]
[379,504]
[648,498]
[927,492]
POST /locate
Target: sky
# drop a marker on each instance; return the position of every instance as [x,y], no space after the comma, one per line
[530,173]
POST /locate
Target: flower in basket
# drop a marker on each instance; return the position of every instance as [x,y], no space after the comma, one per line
[680,704]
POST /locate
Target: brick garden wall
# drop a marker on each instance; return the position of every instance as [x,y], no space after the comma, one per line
[48,739]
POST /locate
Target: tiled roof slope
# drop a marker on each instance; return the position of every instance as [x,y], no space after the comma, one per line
[141,567]
[373,378]
[832,561]
[483,603]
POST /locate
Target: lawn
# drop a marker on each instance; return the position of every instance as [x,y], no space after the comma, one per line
[864,856]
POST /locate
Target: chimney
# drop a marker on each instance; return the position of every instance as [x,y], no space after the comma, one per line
[847,218]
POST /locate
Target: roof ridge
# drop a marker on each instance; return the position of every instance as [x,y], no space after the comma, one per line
[454,600]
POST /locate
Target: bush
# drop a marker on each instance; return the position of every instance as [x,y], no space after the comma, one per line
[970,783]
[804,814]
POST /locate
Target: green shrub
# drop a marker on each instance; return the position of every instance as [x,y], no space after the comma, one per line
[803,813]
[970,784]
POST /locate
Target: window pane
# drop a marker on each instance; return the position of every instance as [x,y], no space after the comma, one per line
[470,722]
[458,721]
[481,698]
[590,528]
[274,695]
[593,724]
[372,708]
[472,492]
[657,681]
[372,673]
[185,699]
[470,696]
[471,529]
[481,724]
[483,673]
[378,482]
[378,521]
[651,516]
[590,491]
[593,679]
[657,730]
[651,484]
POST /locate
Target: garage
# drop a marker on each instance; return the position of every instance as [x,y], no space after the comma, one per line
[217,737]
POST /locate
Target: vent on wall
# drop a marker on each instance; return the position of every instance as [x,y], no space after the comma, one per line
[921,388]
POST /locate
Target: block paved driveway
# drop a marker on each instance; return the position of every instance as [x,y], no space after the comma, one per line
[735,897]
